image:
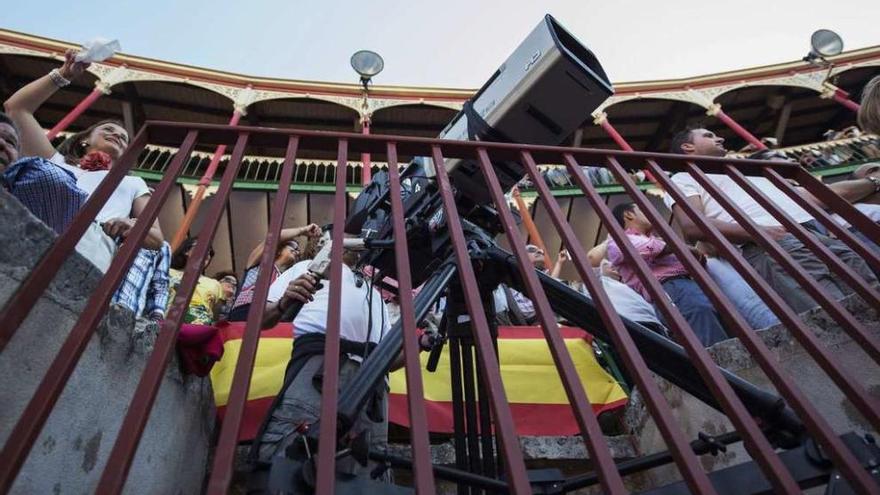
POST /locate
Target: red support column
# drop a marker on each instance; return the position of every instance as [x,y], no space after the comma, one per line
[842,97]
[366,172]
[716,111]
[601,119]
[62,124]
[204,182]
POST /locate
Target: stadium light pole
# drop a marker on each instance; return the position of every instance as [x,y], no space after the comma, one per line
[826,43]
[367,64]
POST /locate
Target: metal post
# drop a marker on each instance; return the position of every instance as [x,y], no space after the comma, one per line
[534,235]
[716,111]
[601,119]
[842,97]
[100,89]
[366,173]
[204,182]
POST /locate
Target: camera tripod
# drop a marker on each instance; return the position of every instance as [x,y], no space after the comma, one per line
[478,467]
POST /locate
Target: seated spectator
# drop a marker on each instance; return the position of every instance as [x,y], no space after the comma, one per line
[869,111]
[208,296]
[747,302]
[53,184]
[626,302]
[229,283]
[676,281]
[9,142]
[512,307]
[288,252]
[144,290]
[870,205]
[702,142]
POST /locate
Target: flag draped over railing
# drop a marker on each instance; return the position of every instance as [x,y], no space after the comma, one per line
[537,399]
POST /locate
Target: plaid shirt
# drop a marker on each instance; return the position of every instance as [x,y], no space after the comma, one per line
[47,190]
[145,288]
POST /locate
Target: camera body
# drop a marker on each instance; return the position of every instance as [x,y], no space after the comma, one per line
[546,89]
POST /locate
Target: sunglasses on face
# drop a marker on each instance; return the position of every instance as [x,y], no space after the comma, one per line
[534,250]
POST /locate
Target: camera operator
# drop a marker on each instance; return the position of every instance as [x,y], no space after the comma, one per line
[363,323]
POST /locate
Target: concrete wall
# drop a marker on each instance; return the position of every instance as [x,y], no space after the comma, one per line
[696,417]
[73,447]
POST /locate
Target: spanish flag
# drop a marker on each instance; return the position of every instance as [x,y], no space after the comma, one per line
[531,381]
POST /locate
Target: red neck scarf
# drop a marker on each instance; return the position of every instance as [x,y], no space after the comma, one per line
[95,160]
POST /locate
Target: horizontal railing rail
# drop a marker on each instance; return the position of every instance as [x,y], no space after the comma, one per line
[494,415]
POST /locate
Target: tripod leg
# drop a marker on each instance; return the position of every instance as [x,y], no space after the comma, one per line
[461,453]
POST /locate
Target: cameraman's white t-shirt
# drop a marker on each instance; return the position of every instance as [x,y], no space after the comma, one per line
[355,317]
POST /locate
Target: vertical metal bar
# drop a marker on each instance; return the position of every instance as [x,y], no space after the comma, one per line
[31,422]
[688,464]
[421,447]
[600,454]
[838,205]
[860,398]
[326,478]
[113,478]
[753,439]
[516,469]
[224,454]
[813,420]
[846,273]
[25,298]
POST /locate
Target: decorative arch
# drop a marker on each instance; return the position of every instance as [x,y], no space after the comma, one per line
[419,119]
[648,123]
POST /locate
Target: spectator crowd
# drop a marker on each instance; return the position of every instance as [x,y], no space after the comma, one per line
[54,183]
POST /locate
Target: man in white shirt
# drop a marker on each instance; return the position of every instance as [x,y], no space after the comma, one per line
[363,322]
[702,142]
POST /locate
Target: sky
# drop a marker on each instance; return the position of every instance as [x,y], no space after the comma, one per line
[453,43]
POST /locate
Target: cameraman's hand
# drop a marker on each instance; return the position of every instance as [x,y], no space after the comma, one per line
[313,230]
[301,289]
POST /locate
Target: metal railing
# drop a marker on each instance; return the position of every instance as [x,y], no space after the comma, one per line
[689,366]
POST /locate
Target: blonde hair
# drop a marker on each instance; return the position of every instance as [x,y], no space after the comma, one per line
[869,112]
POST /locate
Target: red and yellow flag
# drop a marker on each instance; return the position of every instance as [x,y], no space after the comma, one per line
[531,380]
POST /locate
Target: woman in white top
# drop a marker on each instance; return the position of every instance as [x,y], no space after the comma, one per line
[86,157]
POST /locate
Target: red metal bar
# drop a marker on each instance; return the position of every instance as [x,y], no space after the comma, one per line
[423,472]
[503,420]
[591,432]
[753,439]
[25,298]
[326,478]
[815,423]
[81,107]
[739,130]
[688,463]
[842,97]
[124,449]
[199,195]
[224,454]
[866,404]
[840,206]
[366,171]
[169,132]
[855,281]
[31,422]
